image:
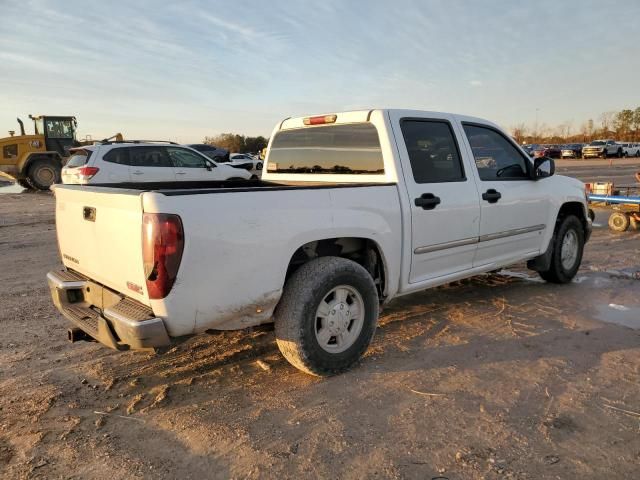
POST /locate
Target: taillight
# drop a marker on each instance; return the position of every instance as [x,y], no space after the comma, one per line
[162,246]
[85,173]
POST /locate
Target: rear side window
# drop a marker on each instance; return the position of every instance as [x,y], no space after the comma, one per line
[433,151]
[344,149]
[79,158]
[117,155]
[151,156]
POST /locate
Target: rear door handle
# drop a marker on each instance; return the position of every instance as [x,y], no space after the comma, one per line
[491,195]
[181,173]
[428,201]
[137,172]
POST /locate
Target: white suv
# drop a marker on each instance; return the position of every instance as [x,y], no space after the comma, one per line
[123,162]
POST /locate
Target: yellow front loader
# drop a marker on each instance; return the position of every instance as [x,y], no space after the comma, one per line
[35,161]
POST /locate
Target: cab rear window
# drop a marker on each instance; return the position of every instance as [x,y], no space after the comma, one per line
[342,149]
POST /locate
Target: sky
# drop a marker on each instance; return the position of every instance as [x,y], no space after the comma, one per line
[189,69]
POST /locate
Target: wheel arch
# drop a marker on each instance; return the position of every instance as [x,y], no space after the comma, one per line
[570,207]
[573,208]
[364,251]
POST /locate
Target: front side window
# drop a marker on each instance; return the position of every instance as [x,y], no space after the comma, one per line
[496,158]
[433,151]
[59,128]
[151,156]
[331,149]
[182,158]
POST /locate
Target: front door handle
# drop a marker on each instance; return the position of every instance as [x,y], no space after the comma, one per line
[137,172]
[491,195]
[428,201]
[181,173]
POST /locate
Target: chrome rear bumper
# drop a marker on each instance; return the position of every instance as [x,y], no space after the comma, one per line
[110,318]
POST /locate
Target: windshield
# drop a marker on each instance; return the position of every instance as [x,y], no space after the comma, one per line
[597,143]
[38,124]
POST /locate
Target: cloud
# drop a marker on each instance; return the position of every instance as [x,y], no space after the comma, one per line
[475,83]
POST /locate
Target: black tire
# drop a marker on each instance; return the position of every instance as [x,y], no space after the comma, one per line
[618,222]
[558,273]
[619,154]
[604,154]
[43,173]
[259,166]
[235,179]
[295,316]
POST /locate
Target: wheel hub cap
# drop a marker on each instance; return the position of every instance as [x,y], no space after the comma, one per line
[339,319]
[569,250]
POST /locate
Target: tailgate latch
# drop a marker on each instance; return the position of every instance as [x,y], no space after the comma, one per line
[89,214]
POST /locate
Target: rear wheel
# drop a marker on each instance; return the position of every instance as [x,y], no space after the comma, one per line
[618,222]
[619,154]
[327,316]
[43,173]
[568,245]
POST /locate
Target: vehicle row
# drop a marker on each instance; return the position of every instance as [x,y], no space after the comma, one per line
[596,149]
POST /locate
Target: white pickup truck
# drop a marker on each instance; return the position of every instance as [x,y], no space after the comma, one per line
[353,210]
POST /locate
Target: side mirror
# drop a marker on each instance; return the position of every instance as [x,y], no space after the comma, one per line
[543,167]
[210,165]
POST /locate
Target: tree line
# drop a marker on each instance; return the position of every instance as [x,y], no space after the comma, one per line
[236,143]
[623,125]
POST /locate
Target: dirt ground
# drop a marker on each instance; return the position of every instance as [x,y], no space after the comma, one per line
[501,376]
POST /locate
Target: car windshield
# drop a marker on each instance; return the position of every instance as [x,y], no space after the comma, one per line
[597,143]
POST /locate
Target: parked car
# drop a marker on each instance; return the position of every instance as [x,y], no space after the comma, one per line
[530,148]
[216,154]
[552,151]
[539,151]
[253,163]
[125,162]
[602,148]
[571,150]
[354,210]
[631,149]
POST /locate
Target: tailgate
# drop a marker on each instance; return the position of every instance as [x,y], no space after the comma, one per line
[100,235]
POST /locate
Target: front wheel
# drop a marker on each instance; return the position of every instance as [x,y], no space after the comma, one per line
[43,173]
[566,256]
[619,153]
[327,316]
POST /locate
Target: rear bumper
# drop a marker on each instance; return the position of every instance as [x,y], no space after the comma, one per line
[113,320]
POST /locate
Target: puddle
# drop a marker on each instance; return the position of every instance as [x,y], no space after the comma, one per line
[619,314]
[11,188]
